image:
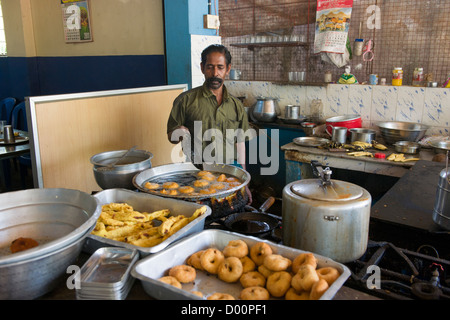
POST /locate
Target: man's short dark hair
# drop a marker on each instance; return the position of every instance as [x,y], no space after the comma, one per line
[216,48]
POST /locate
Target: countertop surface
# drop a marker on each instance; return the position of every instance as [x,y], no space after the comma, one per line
[410,201]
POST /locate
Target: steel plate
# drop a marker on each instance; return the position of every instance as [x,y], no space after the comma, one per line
[310,141]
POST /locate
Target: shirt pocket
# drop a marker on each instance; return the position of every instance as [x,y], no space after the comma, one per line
[233,133]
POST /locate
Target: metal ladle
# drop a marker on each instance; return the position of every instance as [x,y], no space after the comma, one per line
[111,166]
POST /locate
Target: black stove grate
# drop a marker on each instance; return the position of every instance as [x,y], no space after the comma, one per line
[390,272]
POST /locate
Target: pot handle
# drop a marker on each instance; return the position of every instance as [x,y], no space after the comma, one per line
[267,204]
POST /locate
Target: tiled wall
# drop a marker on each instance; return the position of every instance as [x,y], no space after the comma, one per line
[430,106]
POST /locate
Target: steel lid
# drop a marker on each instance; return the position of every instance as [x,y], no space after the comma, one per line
[335,191]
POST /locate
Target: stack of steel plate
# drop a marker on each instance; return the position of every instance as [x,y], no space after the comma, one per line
[106,274]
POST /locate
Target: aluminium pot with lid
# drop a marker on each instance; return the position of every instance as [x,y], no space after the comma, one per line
[327,217]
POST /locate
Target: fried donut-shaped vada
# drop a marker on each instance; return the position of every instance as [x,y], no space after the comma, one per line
[209,177]
[171,280]
[279,283]
[254,293]
[247,264]
[259,251]
[318,289]
[264,271]
[171,192]
[292,294]
[208,191]
[236,248]
[203,173]
[302,259]
[304,279]
[221,296]
[211,259]
[194,260]
[252,279]
[222,178]
[197,293]
[170,185]
[230,270]
[276,262]
[21,244]
[218,186]
[183,273]
[200,183]
[151,185]
[186,189]
[329,274]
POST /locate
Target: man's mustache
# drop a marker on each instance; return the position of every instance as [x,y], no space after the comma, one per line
[214,79]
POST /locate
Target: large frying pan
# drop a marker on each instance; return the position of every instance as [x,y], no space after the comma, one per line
[222,203]
[253,222]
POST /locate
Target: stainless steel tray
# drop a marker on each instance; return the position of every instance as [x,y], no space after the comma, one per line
[151,268]
[141,201]
[310,141]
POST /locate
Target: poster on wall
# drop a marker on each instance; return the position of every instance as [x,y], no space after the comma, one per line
[76,21]
[332,25]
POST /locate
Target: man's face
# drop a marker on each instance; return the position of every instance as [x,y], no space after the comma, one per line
[215,70]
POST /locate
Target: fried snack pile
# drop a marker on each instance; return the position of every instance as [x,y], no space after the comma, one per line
[120,222]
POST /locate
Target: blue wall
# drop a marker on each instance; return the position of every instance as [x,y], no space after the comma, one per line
[21,77]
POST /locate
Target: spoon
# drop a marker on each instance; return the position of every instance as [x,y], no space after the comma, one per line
[111,165]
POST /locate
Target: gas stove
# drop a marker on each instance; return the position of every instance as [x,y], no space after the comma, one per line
[390,272]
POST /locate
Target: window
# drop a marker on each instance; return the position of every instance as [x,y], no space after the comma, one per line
[2,34]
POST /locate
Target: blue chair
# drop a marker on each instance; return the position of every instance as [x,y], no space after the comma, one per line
[6,108]
[19,122]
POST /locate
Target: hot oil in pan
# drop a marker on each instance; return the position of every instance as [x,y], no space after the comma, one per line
[250,226]
[188,179]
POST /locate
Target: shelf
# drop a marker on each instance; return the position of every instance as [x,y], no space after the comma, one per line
[251,46]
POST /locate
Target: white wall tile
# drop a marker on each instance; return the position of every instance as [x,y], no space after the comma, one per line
[436,110]
[384,103]
[337,100]
[410,104]
[360,101]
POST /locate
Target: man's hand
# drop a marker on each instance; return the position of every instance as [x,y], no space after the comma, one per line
[177,134]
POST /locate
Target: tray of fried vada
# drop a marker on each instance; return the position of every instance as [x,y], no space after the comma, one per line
[138,220]
[217,264]
[185,181]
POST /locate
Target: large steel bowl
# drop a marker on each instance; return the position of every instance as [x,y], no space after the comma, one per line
[59,220]
[394,131]
[120,175]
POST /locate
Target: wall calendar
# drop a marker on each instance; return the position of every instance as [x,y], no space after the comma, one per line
[76,21]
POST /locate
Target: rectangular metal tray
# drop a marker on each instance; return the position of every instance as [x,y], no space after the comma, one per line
[145,202]
[151,268]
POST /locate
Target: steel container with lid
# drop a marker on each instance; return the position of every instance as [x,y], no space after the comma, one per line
[441,210]
[327,217]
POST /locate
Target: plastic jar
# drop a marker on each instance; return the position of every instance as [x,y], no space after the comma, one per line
[397,77]
[417,77]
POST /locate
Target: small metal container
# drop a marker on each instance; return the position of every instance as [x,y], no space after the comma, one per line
[8,134]
[106,274]
[363,135]
[407,147]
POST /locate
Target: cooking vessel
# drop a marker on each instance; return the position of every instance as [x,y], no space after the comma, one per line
[409,147]
[327,217]
[222,203]
[348,121]
[253,222]
[363,135]
[266,109]
[59,220]
[121,174]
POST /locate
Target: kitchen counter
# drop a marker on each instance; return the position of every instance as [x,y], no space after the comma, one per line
[301,154]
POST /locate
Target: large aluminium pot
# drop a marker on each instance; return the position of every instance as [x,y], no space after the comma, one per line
[327,217]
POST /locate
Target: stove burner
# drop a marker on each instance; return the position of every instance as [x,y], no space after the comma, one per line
[403,274]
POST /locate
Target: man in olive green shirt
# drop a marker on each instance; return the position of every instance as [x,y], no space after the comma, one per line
[214,119]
